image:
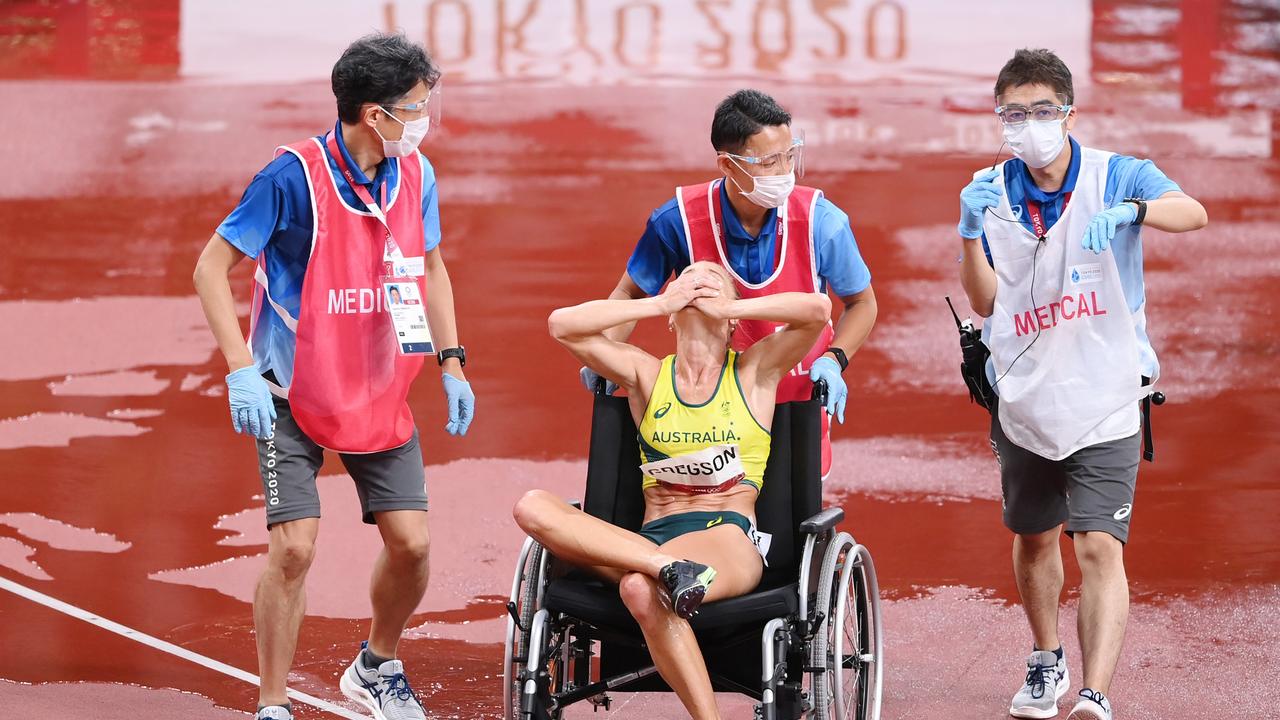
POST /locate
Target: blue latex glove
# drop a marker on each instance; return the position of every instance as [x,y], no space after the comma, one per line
[252,411]
[1102,228]
[462,404]
[589,378]
[975,198]
[828,370]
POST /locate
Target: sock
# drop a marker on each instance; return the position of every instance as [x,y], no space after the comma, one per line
[1057,652]
[371,661]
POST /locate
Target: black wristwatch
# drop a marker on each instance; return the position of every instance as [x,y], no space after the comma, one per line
[840,357]
[453,352]
[1142,209]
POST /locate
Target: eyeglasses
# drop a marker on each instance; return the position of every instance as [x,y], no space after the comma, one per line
[1019,114]
[773,163]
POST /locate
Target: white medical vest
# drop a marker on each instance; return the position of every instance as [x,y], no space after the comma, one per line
[1064,350]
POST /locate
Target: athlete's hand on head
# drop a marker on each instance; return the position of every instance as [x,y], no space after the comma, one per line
[975,198]
[1102,229]
[252,410]
[717,307]
[686,288]
[827,370]
[462,404]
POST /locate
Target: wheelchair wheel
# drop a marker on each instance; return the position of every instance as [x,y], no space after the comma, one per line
[526,591]
[849,642]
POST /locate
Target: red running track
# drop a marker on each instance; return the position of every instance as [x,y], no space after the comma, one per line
[126,494]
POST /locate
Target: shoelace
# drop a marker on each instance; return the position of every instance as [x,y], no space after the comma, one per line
[399,684]
[1093,695]
[1036,679]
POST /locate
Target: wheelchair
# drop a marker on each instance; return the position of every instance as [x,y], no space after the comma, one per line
[807,643]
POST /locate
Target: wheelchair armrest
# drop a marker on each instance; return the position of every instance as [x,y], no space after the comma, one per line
[822,522]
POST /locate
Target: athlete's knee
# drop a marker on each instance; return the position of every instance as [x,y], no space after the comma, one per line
[638,594]
[532,511]
[1098,549]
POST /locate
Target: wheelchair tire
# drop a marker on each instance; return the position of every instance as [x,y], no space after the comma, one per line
[849,642]
[823,698]
[526,594]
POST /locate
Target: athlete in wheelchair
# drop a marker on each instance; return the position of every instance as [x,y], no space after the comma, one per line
[708,507]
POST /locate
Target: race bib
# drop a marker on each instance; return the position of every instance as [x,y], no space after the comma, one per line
[710,470]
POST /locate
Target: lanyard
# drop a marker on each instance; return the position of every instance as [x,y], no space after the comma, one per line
[1037,219]
[717,223]
[391,251]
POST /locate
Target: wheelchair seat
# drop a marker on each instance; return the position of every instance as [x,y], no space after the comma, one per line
[596,603]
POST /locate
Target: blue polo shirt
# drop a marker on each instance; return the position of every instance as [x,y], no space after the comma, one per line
[1127,177]
[274,220]
[662,249]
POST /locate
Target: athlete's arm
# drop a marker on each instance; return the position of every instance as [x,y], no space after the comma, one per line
[582,330]
[440,315]
[1175,212]
[627,289]
[214,288]
[764,364]
[977,277]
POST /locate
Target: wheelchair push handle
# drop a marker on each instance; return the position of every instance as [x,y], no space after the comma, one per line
[820,392]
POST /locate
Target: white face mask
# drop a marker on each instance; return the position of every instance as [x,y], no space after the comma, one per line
[769,191]
[1036,143]
[414,132]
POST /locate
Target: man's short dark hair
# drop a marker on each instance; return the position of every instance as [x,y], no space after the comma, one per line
[379,68]
[742,115]
[1036,67]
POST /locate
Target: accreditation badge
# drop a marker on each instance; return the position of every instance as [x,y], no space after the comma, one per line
[402,298]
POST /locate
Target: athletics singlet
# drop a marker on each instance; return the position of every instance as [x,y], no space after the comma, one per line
[704,448]
[350,384]
[797,271]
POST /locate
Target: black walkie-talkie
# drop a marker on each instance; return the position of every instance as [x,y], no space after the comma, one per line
[973,360]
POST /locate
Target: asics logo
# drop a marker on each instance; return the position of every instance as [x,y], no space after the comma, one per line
[1124,511]
[717,521]
[657,414]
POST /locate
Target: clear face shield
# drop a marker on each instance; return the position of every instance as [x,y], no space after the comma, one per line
[432,108]
[777,163]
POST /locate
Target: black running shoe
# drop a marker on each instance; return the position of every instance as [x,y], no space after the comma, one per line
[687,583]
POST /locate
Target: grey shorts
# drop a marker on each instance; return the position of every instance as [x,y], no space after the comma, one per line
[289,462]
[1089,490]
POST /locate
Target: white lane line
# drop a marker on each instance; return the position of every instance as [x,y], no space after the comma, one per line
[161,645]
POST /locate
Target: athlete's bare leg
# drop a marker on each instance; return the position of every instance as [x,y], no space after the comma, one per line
[670,640]
[580,539]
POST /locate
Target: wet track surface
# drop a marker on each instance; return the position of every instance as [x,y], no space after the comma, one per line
[133,128]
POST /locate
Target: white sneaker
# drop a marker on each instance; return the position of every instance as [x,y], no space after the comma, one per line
[273,712]
[385,692]
[1093,705]
[1046,682]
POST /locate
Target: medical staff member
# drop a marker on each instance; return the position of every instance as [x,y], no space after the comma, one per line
[770,234]
[1052,256]
[327,222]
